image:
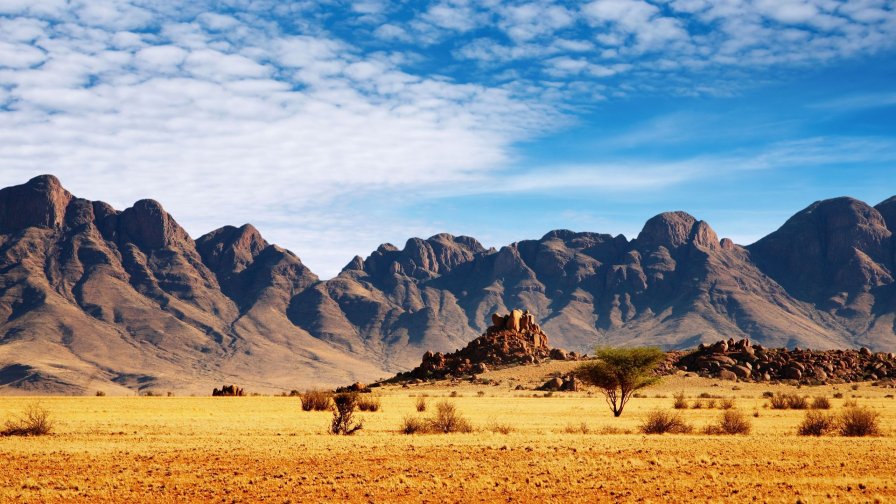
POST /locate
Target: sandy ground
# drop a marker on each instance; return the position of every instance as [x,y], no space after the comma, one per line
[252,449]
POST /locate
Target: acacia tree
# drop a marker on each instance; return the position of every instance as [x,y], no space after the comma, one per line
[619,372]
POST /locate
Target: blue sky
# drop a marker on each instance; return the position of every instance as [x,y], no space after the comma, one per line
[334,126]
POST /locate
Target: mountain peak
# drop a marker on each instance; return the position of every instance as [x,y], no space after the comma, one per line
[670,229]
[40,202]
[149,226]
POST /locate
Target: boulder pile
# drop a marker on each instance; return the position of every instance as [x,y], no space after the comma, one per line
[228,391]
[514,338]
[741,360]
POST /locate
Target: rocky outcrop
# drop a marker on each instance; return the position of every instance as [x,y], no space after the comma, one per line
[228,391]
[743,361]
[41,202]
[514,338]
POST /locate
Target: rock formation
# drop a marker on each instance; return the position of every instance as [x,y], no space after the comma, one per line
[514,338]
[744,361]
[228,391]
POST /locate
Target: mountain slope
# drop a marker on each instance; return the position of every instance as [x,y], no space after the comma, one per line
[96,298]
[91,297]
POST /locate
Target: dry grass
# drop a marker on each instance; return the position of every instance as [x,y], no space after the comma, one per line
[183,449]
[316,400]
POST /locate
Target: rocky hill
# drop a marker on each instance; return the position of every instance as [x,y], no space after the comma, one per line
[94,297]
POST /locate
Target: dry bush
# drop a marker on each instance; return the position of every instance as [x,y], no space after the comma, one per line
[710,404]
[421,404]
[788,401]
[581,428]
[344,406]
[500,427]
[779,401]
[680,402]
[821,402]
[661,422]
[816,423]
[697,405]
[316,400]
[731,422]
[838,395]
[368,402]
[856,422]
[448,420]
[413,425]
[35,421]
[797,402]
[100,393]
[726,404]
[768,394]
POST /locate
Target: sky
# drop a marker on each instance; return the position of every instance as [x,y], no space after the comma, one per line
[334,126]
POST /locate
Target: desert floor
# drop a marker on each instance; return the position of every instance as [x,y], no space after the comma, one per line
[251,449]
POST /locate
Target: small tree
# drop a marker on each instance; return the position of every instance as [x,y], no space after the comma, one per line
[344,406]
[619,372]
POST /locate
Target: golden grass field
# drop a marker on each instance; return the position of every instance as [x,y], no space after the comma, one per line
[254,449]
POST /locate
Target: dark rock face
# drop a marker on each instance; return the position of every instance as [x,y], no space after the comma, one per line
[831,247]
[514,338]
[41,202]
[741,360]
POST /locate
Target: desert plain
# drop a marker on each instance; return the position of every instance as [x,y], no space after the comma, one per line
[527,446]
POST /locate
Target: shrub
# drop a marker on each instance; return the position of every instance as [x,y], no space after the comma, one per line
[453,393]
[856,421]
[854,386]
[100,393]
[661,422]
[413,425]
[779,401]
[821,402]
[368,402]
[710,404]
[726,404]
[697,405]
[35,421]
[768,394]
[705,395]
[731,422]
[448,420]
[797,402]
[680,402]
[582,428]
[838,395]
[344,406]
[421,404]
[788,401]
[816,423]
[480,393]
[316,400]
[500,428]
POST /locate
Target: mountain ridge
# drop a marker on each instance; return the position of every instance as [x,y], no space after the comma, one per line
[93,297]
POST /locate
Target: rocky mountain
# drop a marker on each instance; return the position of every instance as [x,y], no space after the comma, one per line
[96,298]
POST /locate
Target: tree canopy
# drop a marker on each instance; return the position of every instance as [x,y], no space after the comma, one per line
[619,372]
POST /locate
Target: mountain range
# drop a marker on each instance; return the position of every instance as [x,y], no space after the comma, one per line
[94,298]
